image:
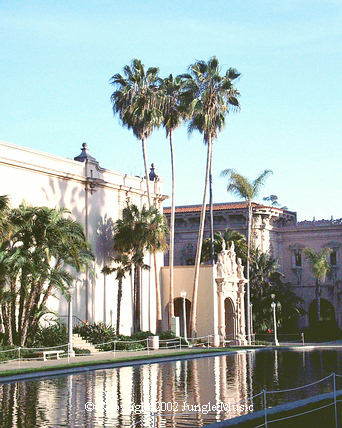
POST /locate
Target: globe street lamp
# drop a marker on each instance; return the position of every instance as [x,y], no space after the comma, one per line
[273,306]
[183,295]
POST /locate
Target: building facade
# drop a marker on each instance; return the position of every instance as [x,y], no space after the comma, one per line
[278,232]
[95,196]
[220,303]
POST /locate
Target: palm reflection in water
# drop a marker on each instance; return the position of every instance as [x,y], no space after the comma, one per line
[126,396]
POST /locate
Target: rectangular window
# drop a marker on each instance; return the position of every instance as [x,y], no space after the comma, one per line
[298,260]
[333,258]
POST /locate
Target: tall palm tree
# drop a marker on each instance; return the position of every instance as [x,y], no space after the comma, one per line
[136,100]
[173,114]
[319,268]
[245,189]
[211,96]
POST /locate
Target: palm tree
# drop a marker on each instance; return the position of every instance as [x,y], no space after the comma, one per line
[229,236]
[136,232]
[34,265]
[122,267]
[245,189]
[319,268]
[4,224]
[137,101]
[211,96]
[274,201]
[173,114]
[266,286]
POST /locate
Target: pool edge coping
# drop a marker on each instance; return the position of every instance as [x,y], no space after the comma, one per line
[12,375]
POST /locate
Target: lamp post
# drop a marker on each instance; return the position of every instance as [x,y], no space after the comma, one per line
[273,306]
[183,295]
[251,319]
[71,352]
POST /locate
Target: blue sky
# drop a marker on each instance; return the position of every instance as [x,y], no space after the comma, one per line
[57,58]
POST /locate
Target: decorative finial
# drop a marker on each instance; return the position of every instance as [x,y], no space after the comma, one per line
[84,155]
[152,175]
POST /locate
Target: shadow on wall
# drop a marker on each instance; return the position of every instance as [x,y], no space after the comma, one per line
[104,240]
[104,253]
[72,196]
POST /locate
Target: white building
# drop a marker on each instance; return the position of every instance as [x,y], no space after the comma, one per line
[95,196]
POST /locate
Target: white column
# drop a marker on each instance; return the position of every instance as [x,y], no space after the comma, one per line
[221,317]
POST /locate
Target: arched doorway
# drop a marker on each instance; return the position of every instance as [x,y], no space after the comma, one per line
[179,312]
[327,311]
[229,318]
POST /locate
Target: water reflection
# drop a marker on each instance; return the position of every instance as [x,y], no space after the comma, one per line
[174,391]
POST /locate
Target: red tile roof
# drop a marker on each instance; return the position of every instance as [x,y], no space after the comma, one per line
[216,207]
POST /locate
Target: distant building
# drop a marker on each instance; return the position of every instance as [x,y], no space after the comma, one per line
[276,231]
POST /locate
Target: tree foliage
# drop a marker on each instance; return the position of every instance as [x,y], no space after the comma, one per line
[137,232]
[35,262]
[136,98]
[320,267]
[266,287]
[319,263]
[229,236]
[242,187]
[209,96]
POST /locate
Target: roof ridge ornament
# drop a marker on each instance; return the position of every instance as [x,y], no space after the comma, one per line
[152,175]
[84,155]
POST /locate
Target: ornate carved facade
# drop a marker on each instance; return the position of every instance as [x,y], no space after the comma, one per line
[230,283]
[276,231]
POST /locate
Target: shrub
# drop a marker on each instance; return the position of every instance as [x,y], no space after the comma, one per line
[96,333]
[99,334]
[322,331]
[141,335]
[52,335]
[167,335]
[79,351]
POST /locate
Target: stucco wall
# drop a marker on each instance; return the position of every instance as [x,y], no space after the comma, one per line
[207,296]
[42,179]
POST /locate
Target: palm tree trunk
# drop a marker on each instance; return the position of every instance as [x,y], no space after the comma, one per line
[138,298]
[193,315]
[146,172]
[118,307]
[158,301]
[211,208]
[136,314]
[318,297]
[6,318]
[26,315]
[248,292]
[13,304]
[172,235]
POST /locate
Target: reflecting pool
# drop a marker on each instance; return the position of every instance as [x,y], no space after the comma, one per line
[184,393]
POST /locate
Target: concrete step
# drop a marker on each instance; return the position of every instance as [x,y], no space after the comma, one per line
[79,342]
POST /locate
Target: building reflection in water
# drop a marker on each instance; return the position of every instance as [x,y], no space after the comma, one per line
[124,396]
